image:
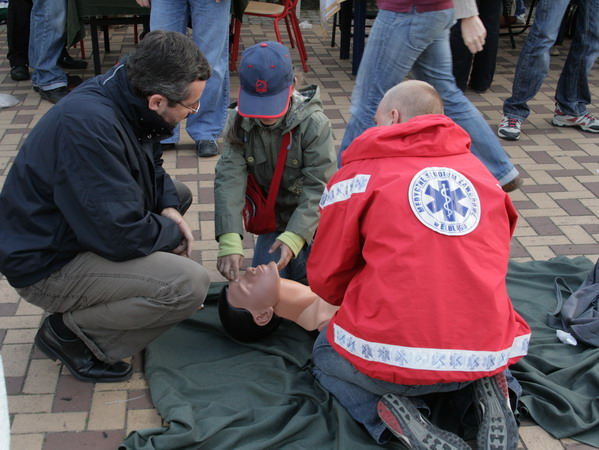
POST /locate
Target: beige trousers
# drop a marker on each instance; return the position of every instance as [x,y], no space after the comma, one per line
[118,308]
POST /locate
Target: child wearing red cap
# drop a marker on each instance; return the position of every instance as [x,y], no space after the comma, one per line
[268,108]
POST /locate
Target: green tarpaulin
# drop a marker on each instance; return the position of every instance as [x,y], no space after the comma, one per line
[215,393]
[560,382]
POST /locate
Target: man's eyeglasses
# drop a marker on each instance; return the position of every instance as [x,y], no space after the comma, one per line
[191,108]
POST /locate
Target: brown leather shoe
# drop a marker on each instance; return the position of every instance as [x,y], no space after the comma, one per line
[79,359]
[513,185]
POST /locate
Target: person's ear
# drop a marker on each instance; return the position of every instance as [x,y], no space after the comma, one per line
[157,102]
[263,317]
[395,116]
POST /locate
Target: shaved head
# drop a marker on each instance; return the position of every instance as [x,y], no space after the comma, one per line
[407,100]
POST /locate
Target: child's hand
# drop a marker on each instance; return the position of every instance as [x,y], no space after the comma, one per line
[286,254]
[229,266]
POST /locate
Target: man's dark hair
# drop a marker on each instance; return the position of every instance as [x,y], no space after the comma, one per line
[166,63]
[239,322]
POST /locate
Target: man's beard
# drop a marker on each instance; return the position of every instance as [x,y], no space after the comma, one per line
[169,119]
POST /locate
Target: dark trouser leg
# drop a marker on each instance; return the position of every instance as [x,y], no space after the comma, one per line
[17,32]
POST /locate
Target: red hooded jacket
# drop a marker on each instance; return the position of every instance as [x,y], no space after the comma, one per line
[413,243]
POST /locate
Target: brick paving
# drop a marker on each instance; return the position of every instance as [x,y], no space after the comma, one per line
[558,208]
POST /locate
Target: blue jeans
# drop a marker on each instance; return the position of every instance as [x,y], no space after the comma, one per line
[419,42]
[520,8]
[358,393]
[572,94]
[295,270]
[210,21]
[46,40]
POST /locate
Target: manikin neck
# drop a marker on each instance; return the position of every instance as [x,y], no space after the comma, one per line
[299,304]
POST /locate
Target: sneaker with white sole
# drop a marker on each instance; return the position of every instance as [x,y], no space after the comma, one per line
[497,428]
[405,421]
[509,128]
[586,122]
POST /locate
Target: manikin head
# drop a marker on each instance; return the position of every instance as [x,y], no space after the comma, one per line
[246,308]
[406,100]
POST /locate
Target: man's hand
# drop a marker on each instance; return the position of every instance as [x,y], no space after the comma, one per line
[473,33]
[229,266]
[286,254]
[143,3]
[185,247]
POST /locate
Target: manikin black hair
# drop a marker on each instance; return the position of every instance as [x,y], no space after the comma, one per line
[239,322]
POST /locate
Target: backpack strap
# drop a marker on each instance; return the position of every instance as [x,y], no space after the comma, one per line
[278,175]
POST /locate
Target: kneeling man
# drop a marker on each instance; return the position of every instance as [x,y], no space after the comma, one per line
[413,245]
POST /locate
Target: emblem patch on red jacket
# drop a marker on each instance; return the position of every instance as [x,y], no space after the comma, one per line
[343,190]
[445,201]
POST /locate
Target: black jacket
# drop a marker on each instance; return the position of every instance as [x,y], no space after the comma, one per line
[89,177]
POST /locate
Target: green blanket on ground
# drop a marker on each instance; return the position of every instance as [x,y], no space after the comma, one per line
[216,393]
[560,382]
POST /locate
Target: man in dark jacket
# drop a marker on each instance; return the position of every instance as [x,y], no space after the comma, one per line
[91,225]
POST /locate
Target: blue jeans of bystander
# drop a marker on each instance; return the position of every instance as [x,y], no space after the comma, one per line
[400,43]
[572,94]
[210,22]
[46,41]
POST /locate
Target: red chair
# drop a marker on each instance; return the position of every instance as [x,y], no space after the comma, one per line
[276,11]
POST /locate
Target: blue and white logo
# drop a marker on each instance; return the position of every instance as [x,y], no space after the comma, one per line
[445,201]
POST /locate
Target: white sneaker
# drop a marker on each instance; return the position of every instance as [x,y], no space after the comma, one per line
[509,128]
[586,122]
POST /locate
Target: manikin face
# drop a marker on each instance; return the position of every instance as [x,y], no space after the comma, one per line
[257,290]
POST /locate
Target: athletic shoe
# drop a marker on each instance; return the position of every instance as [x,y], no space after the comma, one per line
[497,428]
[586,122]
[405,421]
[509,128]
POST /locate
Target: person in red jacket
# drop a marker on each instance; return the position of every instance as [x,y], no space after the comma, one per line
[413,245]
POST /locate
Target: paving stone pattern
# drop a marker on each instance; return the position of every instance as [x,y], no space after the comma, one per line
[558,208]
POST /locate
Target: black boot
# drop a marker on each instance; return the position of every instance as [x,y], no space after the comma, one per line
[66,61]
[19,73]
[79,359]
